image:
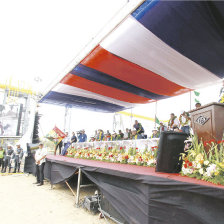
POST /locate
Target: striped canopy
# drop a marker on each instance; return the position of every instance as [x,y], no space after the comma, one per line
[162,49]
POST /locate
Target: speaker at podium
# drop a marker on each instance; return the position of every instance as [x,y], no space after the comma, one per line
[171,144]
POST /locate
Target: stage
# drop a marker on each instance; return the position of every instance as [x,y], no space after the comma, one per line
[143,196]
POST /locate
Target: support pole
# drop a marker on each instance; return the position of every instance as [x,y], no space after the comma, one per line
[155,112]
[131,119]
[190,101]
[70,188]
[78,188]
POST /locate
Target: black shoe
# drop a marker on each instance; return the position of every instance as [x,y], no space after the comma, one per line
[40,184]
[36,183]
[14,171]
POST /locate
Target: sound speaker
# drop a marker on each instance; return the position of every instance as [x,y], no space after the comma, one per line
[171,144]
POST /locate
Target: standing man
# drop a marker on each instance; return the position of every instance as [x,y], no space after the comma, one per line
[73,138]
[82,137]
[66,139]
[9,154]
[197,105]
[2,154]
[173,121]
[40,158]
[138,127]
[18,155]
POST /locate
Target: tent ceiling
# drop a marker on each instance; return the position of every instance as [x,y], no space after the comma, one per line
[162,49]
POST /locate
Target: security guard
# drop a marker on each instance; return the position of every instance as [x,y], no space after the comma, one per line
[2,154]
[9,154]
[18,155]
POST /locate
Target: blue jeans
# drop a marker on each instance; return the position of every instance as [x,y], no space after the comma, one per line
[186,129]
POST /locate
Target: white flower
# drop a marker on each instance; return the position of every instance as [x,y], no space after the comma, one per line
[201,171]
[194,164]
[190,171]
[211,170]
[151,161]
[198,166]
[206,162]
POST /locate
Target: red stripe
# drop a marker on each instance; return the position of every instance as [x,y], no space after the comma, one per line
[102,60]
[104,90]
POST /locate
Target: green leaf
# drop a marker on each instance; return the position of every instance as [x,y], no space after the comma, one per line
[197,101]
[196,93]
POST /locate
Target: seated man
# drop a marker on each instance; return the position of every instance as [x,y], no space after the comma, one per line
[113,137]
[135,135]
[155,134]
[120,135]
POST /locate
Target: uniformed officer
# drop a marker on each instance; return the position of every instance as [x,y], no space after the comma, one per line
[9,154]
[18,155]
[2,154]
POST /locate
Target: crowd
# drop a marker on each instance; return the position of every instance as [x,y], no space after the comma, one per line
[10,158]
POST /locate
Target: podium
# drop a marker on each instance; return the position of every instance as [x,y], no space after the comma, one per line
[208,121]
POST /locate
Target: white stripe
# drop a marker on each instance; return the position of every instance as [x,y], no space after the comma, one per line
[133,42]
[71,90]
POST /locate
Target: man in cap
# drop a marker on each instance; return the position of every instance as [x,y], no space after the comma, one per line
[9,155]
[18,155]
[40,158]
[82,137]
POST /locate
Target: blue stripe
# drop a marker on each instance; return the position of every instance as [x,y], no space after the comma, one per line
[100,77]
[193,28]
[144,8]
[63,99]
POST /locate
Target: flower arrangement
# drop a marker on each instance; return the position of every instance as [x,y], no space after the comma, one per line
[208,166]
[131,156]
